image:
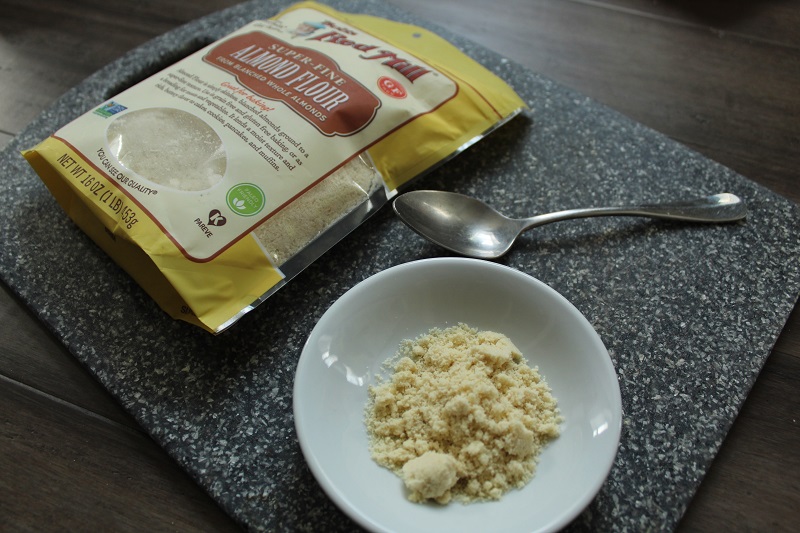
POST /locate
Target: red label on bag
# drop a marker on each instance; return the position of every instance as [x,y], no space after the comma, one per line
[309,82]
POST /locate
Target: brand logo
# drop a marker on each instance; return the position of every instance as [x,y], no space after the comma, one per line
[409,70]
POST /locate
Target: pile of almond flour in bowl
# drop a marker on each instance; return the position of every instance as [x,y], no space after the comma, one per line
[462,417]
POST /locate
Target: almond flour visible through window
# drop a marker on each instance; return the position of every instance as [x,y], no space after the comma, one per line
[294,227]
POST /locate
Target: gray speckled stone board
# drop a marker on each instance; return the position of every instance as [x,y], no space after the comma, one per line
[689,313]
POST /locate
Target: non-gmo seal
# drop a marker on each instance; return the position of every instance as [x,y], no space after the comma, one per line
[246,199]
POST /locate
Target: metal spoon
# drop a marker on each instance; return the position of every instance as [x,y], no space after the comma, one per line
[470,227]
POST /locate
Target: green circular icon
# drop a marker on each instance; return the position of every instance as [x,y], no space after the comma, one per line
[246,199]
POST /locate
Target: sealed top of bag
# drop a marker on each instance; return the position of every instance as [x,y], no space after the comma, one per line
[210,178]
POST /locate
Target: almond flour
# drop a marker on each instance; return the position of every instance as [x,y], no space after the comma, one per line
[299,223]
[462,417]
[218,179]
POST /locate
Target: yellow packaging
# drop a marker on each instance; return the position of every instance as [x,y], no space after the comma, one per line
[215,181]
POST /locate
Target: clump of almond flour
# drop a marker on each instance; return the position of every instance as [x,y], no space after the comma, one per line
[462,417]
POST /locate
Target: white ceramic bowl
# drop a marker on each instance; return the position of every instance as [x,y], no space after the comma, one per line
[365,326]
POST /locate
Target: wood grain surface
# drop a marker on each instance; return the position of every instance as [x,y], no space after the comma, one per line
[721,77]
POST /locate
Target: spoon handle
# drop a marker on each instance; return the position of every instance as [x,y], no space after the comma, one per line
[724,207]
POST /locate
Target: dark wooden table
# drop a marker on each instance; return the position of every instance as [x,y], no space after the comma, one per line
[720,77]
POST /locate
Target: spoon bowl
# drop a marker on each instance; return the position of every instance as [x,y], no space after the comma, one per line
[470,227]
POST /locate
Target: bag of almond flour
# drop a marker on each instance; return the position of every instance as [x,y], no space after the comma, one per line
[215,181]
